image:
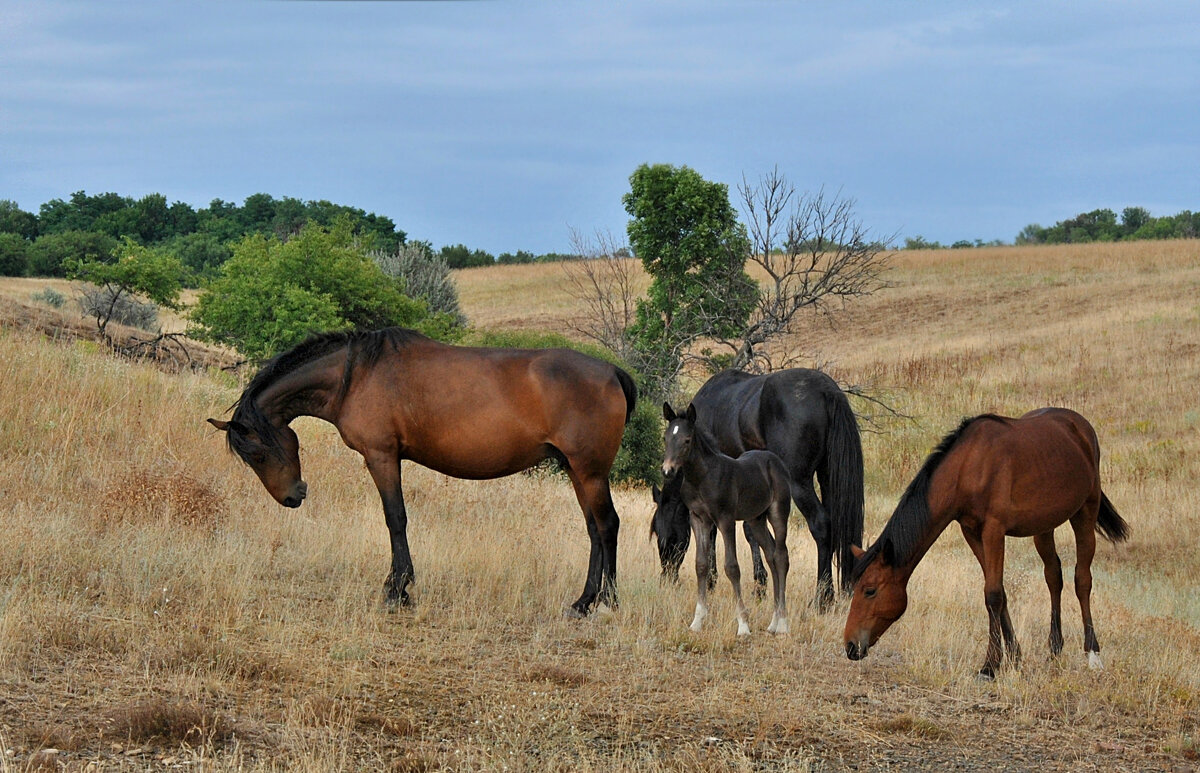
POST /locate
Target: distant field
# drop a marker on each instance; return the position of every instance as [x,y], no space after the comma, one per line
[159,610]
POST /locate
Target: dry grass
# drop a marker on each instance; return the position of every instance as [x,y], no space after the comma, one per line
[158,609]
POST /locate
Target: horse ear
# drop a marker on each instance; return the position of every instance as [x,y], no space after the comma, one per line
[691,412]
[221,425]
[857,551]
[888,551]
[656,492]
[668,412]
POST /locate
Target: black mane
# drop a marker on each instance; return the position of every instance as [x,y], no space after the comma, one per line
[910,520]
[365,348]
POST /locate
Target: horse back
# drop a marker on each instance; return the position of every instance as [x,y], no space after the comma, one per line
[1034,470]
[487,412]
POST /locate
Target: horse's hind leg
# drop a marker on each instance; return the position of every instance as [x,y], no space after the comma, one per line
[1054,583]
[1084,524]
[603,524]
[820,526]
[757,549]
[777,556]
[385,471]
[734,573]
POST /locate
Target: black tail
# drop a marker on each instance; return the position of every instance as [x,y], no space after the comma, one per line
[630,390]
[842,484]
[1109,523]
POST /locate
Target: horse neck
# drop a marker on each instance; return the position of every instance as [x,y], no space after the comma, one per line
[312,389]
[941,514]
[702,458]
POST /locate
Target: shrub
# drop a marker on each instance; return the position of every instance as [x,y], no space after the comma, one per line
[50,297]
[14,255]
[114,305]
[272,294]
[423,275]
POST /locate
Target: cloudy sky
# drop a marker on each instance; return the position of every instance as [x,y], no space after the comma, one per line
[504,125]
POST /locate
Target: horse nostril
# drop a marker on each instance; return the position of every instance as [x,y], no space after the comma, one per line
[852,650]
[293,501]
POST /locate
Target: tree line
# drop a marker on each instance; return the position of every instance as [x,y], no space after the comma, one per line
[92,226]
[1099,225]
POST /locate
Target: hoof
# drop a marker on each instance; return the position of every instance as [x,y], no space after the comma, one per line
[986,674]
[743,629]
[571,613]
[779,628]
[1094,661]
[396,603]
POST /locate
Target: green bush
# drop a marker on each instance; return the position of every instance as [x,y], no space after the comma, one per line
[271,295]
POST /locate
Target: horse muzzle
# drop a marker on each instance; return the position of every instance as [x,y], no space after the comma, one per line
[855,650]
[297,495]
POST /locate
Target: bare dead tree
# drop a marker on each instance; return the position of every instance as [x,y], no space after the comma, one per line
[603,279]
[814,254]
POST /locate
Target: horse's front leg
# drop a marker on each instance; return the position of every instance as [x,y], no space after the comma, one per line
[385,471]
[702,532]
[734,573]
[989,551]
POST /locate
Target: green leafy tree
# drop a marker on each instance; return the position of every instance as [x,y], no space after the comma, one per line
[135,271]
[52,253]
[462,256]
[270,295]
[201,253]
[17,221]
[14,254]
[688,238]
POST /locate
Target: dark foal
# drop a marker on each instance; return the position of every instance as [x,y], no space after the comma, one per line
[804,418]
[466,412]
[719,491]
[998,477]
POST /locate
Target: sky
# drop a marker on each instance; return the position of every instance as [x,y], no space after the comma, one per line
[506,125]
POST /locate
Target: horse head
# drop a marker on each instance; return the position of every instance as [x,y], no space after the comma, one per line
[678,441]
[671,527]
[880,598]
[273,454]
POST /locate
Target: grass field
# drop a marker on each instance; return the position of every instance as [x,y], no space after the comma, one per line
[159,611]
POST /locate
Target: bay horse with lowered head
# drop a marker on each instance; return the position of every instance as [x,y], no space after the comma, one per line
[718,491]
[466,412]
[998,477]
[804,418]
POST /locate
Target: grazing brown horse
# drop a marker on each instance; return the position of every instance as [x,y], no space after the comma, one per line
[718,491]
[466,412]
[998,477]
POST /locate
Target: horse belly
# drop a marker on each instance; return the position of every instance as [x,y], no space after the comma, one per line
[478,459]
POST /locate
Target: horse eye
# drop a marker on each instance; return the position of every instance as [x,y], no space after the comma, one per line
[258,457]
[869,593]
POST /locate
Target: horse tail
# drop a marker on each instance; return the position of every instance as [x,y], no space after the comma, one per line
[1110,523]
[843,498]
[630,389]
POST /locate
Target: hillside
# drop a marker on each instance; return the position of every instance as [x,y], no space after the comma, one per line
[159,611]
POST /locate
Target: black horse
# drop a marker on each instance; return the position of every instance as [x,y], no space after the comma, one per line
[804,418]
